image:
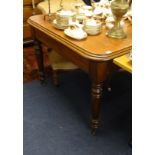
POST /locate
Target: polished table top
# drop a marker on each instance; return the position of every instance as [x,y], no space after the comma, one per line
[99,47]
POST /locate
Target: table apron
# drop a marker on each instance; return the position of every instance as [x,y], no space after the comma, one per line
[63,50]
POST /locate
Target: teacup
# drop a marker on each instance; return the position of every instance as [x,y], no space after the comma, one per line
[63,17]
[92,26]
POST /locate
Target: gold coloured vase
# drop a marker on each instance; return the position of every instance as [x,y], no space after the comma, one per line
[118,8]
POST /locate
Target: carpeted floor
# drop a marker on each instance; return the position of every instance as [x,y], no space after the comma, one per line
[56,119]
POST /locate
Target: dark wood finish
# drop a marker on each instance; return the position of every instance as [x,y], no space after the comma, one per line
[39,54]
[93,55]
[28,11]
[55,77]
[97,72]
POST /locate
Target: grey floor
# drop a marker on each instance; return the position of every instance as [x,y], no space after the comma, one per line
[56,120]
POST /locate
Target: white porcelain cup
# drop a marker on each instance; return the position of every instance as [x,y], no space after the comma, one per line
[92,27]
[63,17]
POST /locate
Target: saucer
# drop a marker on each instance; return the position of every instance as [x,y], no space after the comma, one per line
[77,34]
[58,26]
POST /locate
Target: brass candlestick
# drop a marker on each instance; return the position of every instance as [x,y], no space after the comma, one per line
[49,12]
[119,8]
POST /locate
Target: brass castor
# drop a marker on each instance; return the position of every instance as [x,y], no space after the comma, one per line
[93,132]
[55,79]
[109,89]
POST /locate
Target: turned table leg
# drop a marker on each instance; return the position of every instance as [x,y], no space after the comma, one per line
[40,61]
[98,72]
[96,93]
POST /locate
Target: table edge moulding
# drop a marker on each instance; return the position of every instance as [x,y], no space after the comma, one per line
[102,55]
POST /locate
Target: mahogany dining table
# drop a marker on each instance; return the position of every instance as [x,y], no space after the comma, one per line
[93,55]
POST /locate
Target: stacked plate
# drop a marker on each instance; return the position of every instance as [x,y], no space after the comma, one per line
[58,26]
[92,27]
